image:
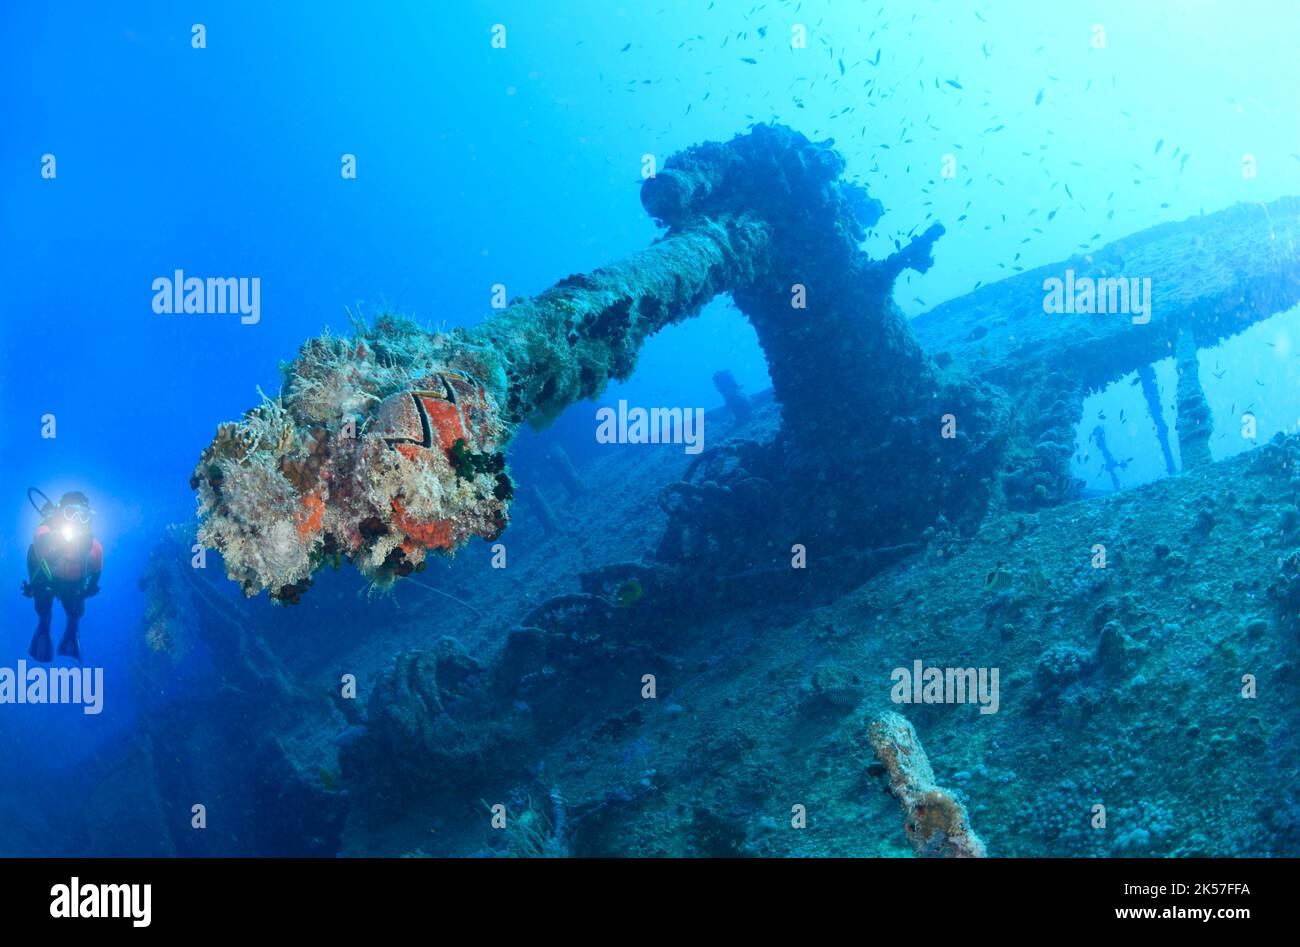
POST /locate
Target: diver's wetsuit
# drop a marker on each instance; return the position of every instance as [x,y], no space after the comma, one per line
[66,570]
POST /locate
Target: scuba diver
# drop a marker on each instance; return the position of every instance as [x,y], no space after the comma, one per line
[64,561]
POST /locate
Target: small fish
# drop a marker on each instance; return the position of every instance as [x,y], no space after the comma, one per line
[1038,99]
[329,782]
[953,82]
[752,62]
[629,593]
[997,580]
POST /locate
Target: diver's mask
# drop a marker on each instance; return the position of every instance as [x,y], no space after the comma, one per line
[76,520]
[76,513]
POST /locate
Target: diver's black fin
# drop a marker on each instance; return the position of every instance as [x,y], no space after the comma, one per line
[41,646]
[68,646]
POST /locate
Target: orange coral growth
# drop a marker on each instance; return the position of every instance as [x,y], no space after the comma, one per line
[311,518]
[444,421]
[432,535]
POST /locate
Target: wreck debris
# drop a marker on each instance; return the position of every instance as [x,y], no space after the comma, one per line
[1151,392]
[1195,424]
[430,729]
[565,471]
[169,599]
[935,822]
[541,507]
[184,613]
[733,396]
[1109,463]
[568,609]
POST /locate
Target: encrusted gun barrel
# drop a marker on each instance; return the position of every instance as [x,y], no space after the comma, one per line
[565,345]
[379,448]
[390,444]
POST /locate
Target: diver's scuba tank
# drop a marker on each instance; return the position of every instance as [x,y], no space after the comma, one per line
[72,532]
[45,508]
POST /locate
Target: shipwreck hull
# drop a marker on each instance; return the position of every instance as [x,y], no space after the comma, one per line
[905,495]
[1211,277]
[1215,275]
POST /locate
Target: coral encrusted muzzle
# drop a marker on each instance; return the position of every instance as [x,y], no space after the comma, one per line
[380,448]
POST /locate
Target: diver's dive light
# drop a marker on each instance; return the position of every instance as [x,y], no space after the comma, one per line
[75,518]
